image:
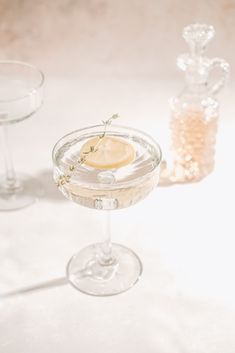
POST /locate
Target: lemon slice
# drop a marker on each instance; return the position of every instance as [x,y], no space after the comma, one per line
[109,153]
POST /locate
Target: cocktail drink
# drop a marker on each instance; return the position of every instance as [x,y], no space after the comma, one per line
[106,167]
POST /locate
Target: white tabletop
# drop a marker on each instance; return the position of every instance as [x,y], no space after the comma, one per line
[184,235]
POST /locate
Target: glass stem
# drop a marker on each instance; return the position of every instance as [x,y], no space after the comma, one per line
[10,172]
[106,247]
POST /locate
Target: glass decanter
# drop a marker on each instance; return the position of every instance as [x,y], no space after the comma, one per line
[195,112]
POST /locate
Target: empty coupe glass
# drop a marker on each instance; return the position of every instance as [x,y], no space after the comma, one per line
[21,96]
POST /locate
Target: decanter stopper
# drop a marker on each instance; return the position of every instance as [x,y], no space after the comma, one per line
[197,36]
[198,67]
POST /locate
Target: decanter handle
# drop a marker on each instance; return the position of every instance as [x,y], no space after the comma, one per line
[216,63]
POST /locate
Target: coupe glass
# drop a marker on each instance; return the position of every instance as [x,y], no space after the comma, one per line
[20,96]
[104,269]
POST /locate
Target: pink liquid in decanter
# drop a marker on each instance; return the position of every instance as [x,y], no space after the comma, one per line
[193,144]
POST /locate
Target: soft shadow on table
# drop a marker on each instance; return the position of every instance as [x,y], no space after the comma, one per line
[51,192]
[58,282]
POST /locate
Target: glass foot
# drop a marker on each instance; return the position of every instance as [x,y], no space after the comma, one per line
[87,273]
[23,193]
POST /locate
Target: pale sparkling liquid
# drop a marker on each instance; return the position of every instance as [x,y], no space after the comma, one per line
[193,144]
[109,189]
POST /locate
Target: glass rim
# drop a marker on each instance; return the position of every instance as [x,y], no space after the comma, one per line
[24,64]
[54,150]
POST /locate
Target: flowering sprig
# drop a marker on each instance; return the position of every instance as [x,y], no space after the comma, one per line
[65,178]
